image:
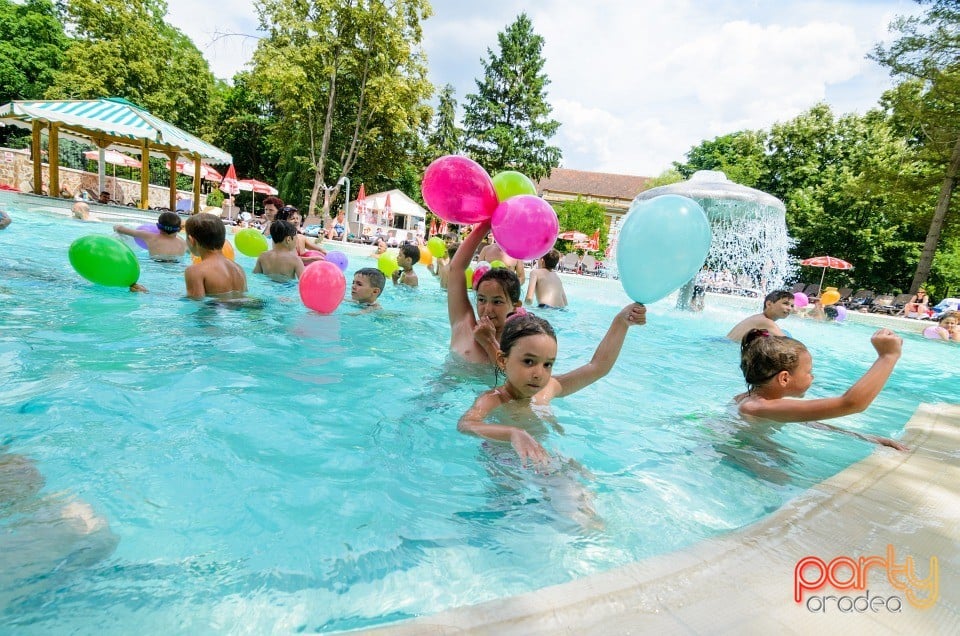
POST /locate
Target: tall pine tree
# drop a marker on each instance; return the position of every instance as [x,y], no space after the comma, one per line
[446,138]
[507,122]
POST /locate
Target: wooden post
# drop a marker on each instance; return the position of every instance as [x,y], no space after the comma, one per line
[37,153]
[172,156]
[144,174]
[53,148]
[196,183]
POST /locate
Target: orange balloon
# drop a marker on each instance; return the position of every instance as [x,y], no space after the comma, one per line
[227,251]
[426,258]
[830,297]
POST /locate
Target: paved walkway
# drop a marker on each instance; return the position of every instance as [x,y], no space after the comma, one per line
[743,582]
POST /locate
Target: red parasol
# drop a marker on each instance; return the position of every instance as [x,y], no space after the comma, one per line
[825,262]
[229,183]
[206,172]
[114,157]
[572,235]
[388,210]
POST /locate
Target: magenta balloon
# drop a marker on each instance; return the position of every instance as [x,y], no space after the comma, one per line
[478,274]
[800,300]
[525,226]
[322,286]
[146,227]
[458,190]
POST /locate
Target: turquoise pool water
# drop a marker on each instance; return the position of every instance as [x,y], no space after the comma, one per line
[172,466]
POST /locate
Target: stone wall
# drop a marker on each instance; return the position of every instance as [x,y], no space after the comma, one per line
[16,171]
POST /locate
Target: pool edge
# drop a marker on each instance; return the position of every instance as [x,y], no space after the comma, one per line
[743,581]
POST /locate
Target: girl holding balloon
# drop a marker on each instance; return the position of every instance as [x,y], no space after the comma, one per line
[475,336]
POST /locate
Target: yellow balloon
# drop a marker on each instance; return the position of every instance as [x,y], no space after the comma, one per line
[426,257]
[469,273]
[830,297]
[227,251]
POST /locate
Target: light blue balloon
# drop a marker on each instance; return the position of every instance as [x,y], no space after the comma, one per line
[662,244]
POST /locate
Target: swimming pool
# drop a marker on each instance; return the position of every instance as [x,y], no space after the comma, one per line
[273,469]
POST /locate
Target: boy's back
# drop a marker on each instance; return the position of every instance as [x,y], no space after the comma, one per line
[279,264]
[545,284]
[215,275]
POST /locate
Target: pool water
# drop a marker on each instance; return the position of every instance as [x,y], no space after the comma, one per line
[170,465]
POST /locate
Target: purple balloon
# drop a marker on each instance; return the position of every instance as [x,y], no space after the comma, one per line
[525,226]
[841,313]
[146,227]
[458,190]
[337,258]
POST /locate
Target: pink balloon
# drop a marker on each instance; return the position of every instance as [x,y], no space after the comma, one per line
[458,190]
[525,226]
[800,300]
[478,274]
[322,286]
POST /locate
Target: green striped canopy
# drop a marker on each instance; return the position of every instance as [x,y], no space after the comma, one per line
[88,120]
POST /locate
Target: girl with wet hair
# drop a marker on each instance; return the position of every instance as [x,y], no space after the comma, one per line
[528,349]
[777,368]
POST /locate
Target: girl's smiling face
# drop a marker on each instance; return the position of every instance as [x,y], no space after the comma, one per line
[529,365]
[493,302]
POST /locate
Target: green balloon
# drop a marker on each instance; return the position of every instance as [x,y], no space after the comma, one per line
[251,242]
[469,274]
[497,264]
[511,183]
[104,260]
[387,263]
[437,247]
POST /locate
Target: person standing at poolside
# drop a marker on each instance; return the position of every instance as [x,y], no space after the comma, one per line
[546,285]
[215,274]
[777,305]
[271,205]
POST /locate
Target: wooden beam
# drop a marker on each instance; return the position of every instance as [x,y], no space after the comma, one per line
[144,174]
[196,183]
[53,149]
[37,152]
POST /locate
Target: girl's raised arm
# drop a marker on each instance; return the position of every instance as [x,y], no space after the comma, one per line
[607,351]
[458,303]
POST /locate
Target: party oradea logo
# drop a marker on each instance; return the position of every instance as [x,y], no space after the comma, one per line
[812,576]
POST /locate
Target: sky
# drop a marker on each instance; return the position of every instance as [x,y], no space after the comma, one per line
[635,84]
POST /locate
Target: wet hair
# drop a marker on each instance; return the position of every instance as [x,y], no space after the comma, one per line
[276,202]
[831,312]
[452,249]
[522,326]
[374,275]
[763,356]
[411,251]
[280,230]
[948,314]
[777,296]
[507,279]
[79,209]
[284,213]
[168,222]
[550,259]
[207,230]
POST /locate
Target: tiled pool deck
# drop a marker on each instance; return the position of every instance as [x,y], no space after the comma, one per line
[743,582]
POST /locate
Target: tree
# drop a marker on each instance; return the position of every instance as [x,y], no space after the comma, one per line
[584,216]
[740,156]
[124,48]
[928,53]
[445,139]
[32,45]
[346,80]
[507,124]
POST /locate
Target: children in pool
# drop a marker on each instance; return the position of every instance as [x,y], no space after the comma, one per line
[528,348]
[778,367]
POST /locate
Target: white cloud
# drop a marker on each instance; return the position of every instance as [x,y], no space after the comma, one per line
[637,83]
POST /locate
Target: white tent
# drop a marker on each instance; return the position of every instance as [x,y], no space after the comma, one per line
[403,213]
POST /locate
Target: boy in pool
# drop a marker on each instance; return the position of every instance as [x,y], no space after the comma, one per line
[281,263]
[5,220]
[166,246]
[302,242]
[408,256]
[777,368]
[546,285]
[215,274]
[777,305]
[528,348]
[498,294]
[367,286]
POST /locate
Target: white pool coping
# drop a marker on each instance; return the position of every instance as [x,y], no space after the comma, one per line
[742,582]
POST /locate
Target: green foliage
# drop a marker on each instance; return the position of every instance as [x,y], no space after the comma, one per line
[124,48]
[507,125]
[667,177]
[32,44]
[446,137]
[583,216]
[739,155]
[215,198]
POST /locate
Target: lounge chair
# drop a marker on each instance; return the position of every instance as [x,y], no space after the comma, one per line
[798,288]
[569,262]
[812,291]
[899,303]
[883,304]
[861,299]
[844,295]
[588,265]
